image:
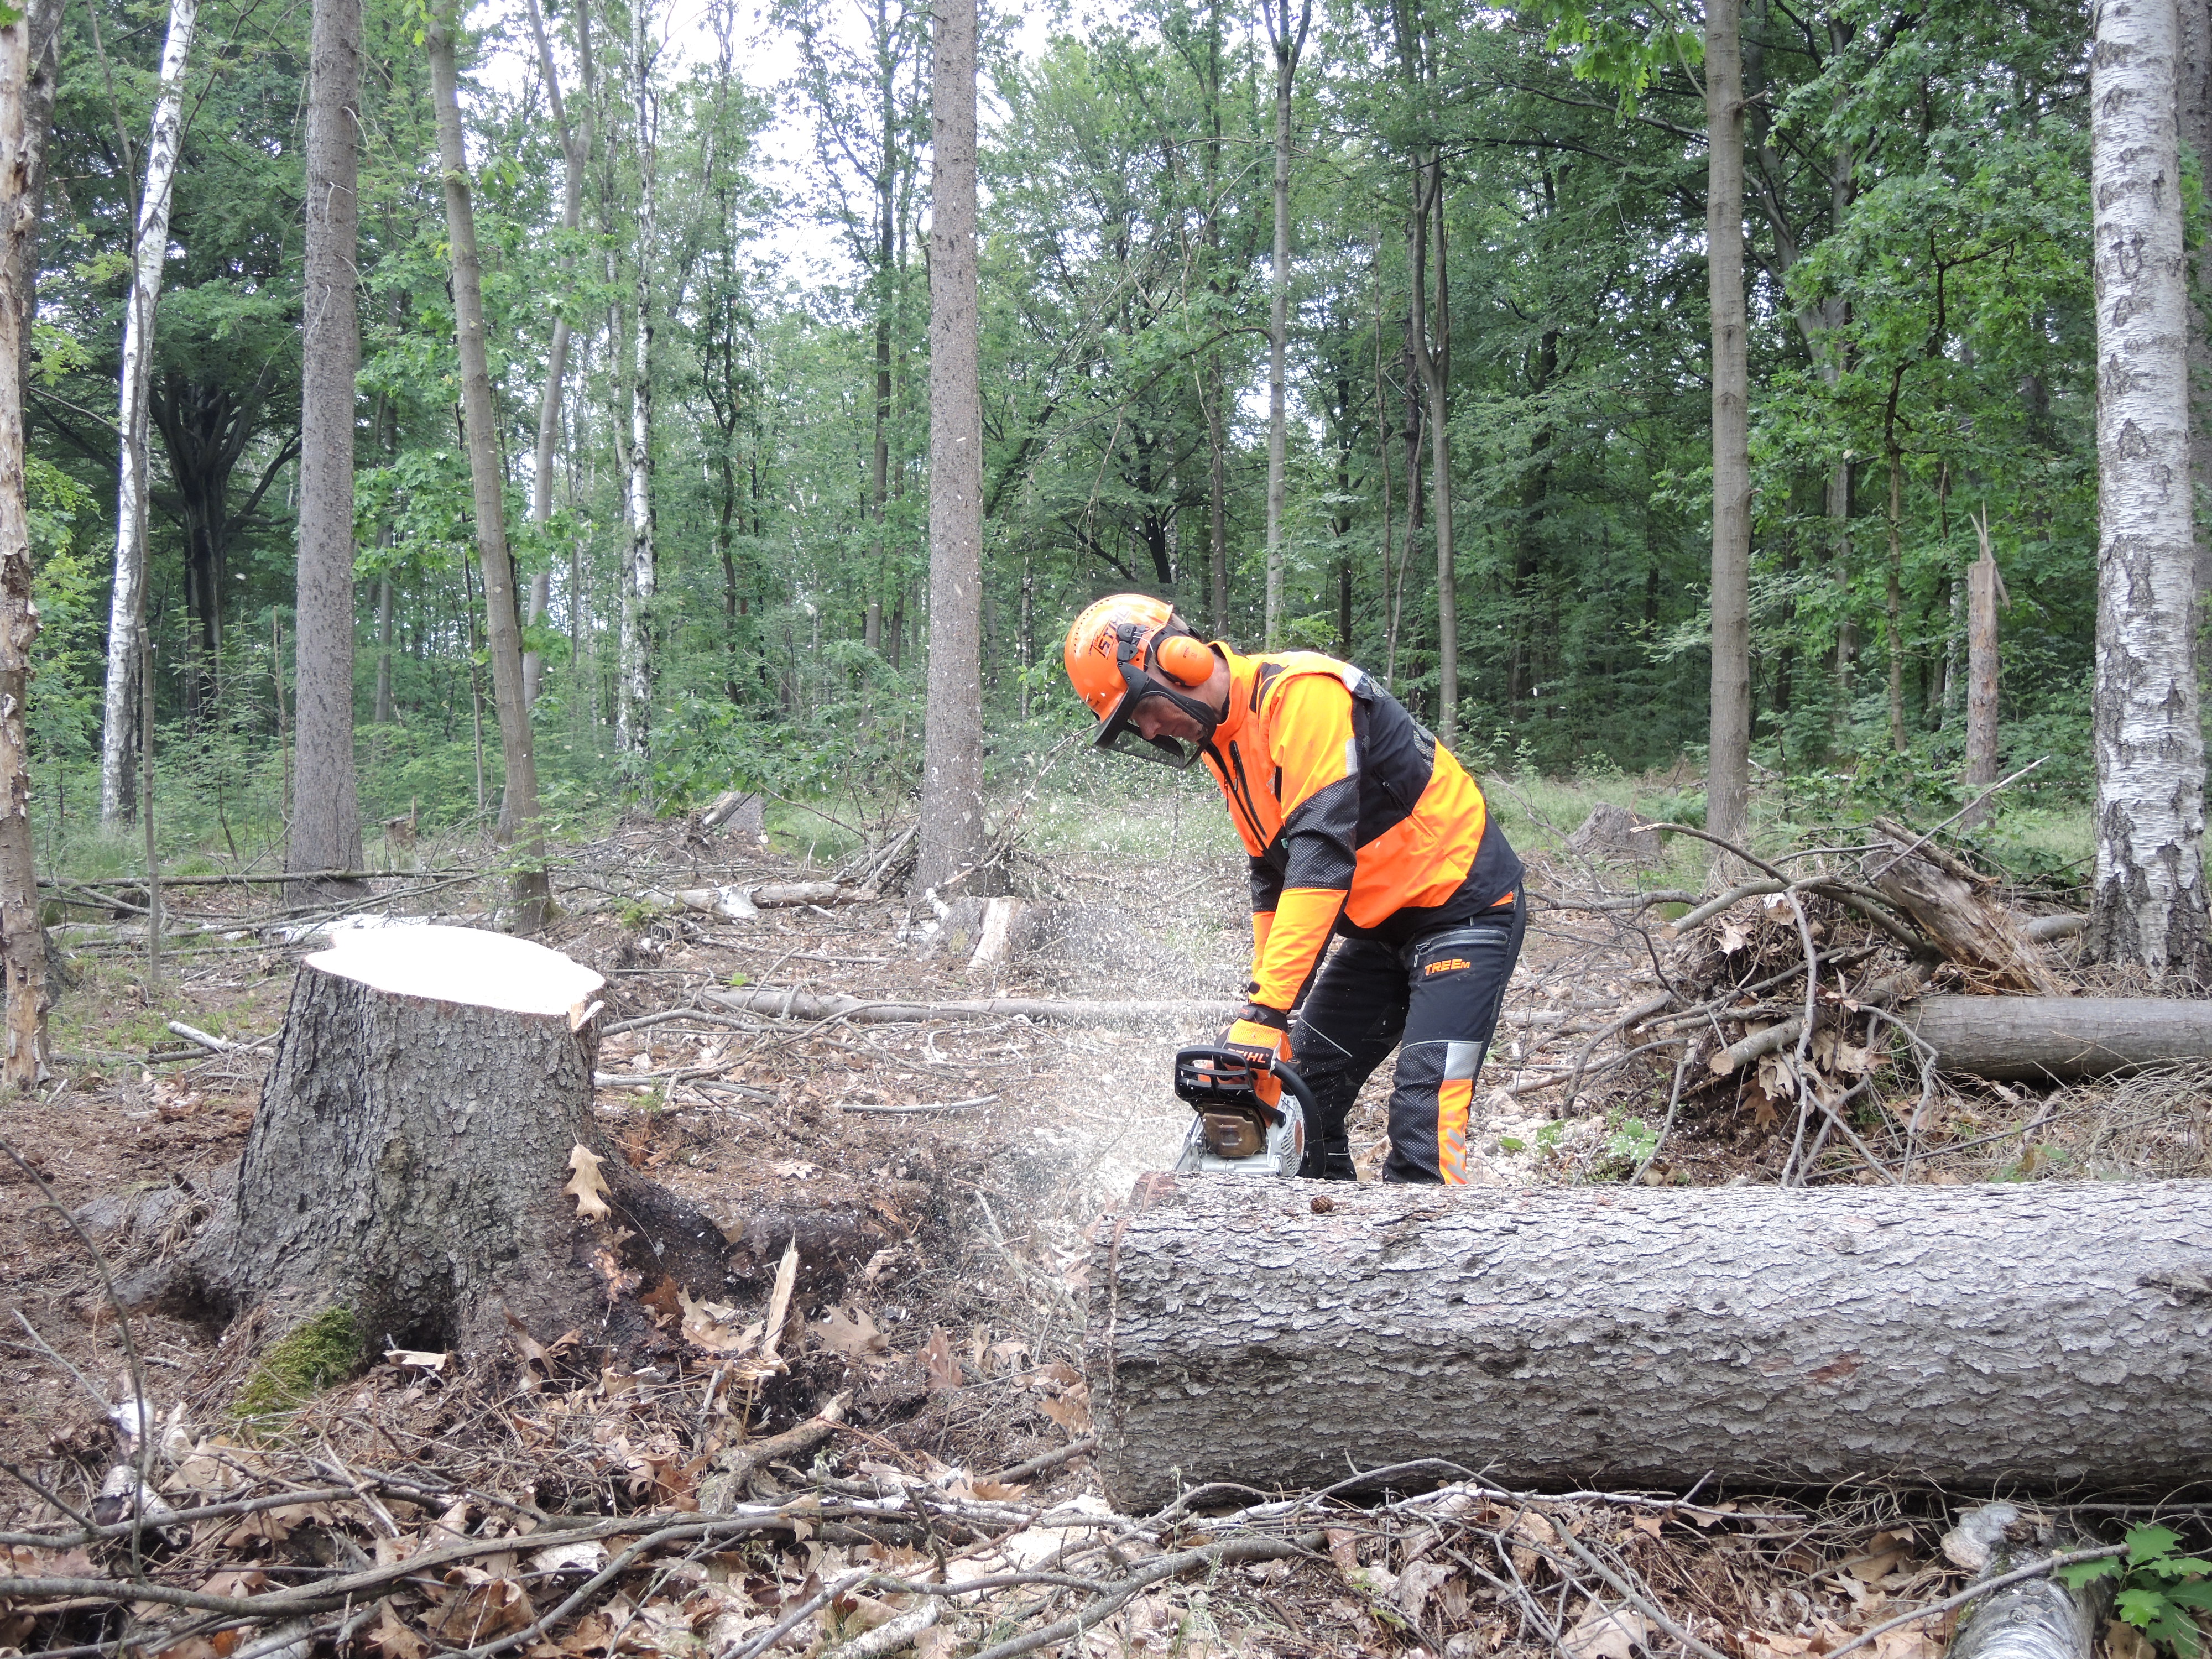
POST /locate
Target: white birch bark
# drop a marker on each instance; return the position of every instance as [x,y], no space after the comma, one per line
[634,711]
[1287,47]
[2148,906]
[150,247]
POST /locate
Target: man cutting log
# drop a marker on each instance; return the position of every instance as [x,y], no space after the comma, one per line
[1358,823]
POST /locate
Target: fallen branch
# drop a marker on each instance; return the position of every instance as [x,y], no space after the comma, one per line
[906,1111]
[1226,1552]
[2033,1570]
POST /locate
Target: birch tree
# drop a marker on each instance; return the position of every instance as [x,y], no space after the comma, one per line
[1287,43]
[952,828]
[1728,765]
[23,939]
[325,818]
[518,811]
[575,155]
[149,249]
[633,704]
[2148,908]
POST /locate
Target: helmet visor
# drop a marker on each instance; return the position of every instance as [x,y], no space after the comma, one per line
[1117,736]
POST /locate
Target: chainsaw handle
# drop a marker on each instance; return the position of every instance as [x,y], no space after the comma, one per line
[1221,1062]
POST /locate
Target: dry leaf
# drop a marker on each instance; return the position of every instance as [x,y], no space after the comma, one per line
[852,1332]
[937,1360]
[1732,939]
[586,1186]
[1604,1633]
[1913,1642]
[996,1491]
[478,1606]
[1650,1525]
[1343,1549]
[392,1640]
[1885,1554]
[2121,1641]
[795,1169]
[714,1326]
[1417,1583]
[1072,1411]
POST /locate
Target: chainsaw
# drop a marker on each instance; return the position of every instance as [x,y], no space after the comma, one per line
[1235,1132]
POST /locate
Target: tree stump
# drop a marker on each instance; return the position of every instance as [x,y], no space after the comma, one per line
[410,1154]
[1951,903]
[1265,1333]
[1615,835]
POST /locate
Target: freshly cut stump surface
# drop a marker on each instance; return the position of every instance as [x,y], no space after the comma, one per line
[413,1138]
[1971,1337]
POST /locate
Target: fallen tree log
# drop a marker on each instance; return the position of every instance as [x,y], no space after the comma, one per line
[2043,1038]
[1281,1335]
[795,1004]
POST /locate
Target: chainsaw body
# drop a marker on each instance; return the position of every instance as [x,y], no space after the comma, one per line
[1234,1131]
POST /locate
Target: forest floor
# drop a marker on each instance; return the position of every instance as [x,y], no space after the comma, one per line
[953,1331]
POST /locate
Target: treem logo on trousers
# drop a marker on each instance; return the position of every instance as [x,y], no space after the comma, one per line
[1447,964]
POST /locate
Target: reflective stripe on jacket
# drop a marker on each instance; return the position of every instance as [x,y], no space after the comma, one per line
[1346,804]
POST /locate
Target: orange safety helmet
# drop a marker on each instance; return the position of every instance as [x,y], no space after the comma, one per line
[1128,646]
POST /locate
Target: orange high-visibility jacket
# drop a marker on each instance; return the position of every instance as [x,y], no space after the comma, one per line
[1353,815]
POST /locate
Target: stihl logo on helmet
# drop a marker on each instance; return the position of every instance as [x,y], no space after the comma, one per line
[1110,654]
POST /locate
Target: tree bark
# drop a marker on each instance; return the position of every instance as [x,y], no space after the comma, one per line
[407,1159]
[1985,591]
[1287,44]
[1639,1337]
[326,821]
[575,154]
[2194,108]
[1728,774]
[2148,908]
[2038,1038]
[953,831]
[22,938]
[519,824]
[633,711]
[149,252]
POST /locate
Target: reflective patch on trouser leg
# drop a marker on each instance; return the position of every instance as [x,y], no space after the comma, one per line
[1453,1097]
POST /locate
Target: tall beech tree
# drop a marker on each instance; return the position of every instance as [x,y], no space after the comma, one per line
[953,830]
[2148,908]
[519,823]
[1287,43]
[326,816]
[1728,762]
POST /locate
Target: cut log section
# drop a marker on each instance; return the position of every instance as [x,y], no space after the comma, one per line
[408,1160]
[1954,908]
[2046,1038]
[1283,1335]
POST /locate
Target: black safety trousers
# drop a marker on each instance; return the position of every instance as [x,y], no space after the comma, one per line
[1436,1000]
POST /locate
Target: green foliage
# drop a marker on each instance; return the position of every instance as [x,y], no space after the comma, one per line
[300,1365]
[2159,1591]
[1629,1145]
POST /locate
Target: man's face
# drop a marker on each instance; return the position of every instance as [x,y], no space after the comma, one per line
[1156,717]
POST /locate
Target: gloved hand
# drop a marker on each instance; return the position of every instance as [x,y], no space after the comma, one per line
[1261,1034]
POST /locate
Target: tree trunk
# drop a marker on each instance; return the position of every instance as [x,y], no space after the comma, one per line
[1893,582]
[953,832]
[2038,1038]
[1728,774]
[150,250]
[1639,1337]
[408,1159]
[2194,107]
[22,938]
[633,714]
[2149,905]
[1287,44]
[1985,591]
[1953,907]
[385,713]
[327,821]
[519,825]
[575,154]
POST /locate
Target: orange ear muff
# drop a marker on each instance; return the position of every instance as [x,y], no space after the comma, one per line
[1185,660]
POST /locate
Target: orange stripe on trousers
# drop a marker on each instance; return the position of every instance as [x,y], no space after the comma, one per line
[1454,1096]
